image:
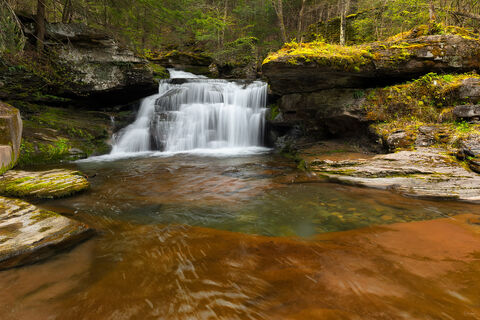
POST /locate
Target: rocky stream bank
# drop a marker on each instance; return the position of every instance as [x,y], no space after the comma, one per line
[415,97]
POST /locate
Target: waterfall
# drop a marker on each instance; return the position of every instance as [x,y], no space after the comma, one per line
[192,112]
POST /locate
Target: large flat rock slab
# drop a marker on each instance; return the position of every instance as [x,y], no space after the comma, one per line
[426,172]
[29,234]
[42,184]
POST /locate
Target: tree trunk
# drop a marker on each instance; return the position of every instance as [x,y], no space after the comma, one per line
[225,16]
[431,11]
[300,20]
[344,7]
[67,11]
[278,6]
[40,24]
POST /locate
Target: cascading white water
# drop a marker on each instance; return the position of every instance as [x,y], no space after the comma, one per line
[192,112]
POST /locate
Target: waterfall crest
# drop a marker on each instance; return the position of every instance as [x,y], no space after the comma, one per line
[192,112]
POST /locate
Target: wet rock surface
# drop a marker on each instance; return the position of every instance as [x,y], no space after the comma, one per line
[29,234]
[10,136]
[43,184]
[426,172]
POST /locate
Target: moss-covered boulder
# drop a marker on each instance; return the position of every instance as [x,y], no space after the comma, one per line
[29,234]
[42,184]
[309,67]
[10,136]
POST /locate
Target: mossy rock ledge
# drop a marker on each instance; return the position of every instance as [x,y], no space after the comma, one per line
[42,184]
[29,234]
[310,67]
[425,173]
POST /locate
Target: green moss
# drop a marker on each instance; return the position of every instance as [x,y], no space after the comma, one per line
[43,215]
[50,184]
[348,58]
[43,153]
[421,100]
[274,111]
[435,29]
[390,53]
[159,72]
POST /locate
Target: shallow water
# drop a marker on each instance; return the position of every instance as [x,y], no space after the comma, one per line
[192,236]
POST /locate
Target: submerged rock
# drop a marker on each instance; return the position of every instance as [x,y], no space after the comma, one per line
[10,136]
[43,184]
[426,172]
[29,234]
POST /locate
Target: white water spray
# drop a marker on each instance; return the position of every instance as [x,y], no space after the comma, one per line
[191,113]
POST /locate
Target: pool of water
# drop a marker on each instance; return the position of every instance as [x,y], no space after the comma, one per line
[192,236]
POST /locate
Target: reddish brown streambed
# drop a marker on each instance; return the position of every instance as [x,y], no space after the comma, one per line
[245,244]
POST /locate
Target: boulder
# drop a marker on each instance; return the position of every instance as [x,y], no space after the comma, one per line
[89,63]
[470,145]
[470,90]
[10,136]
[425,172]
[398,140]
[312,67]
[29,234]
[99,66]
[469,151]
[42,184]
[467,112]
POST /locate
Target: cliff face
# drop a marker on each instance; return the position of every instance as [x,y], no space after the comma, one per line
[98,65]
[324,88]
[309,67]
[79,63]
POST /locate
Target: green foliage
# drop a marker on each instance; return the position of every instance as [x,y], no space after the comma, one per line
[274,111]
[34,154]
[242,51]
[11,36]
[463,126]
[423,99]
